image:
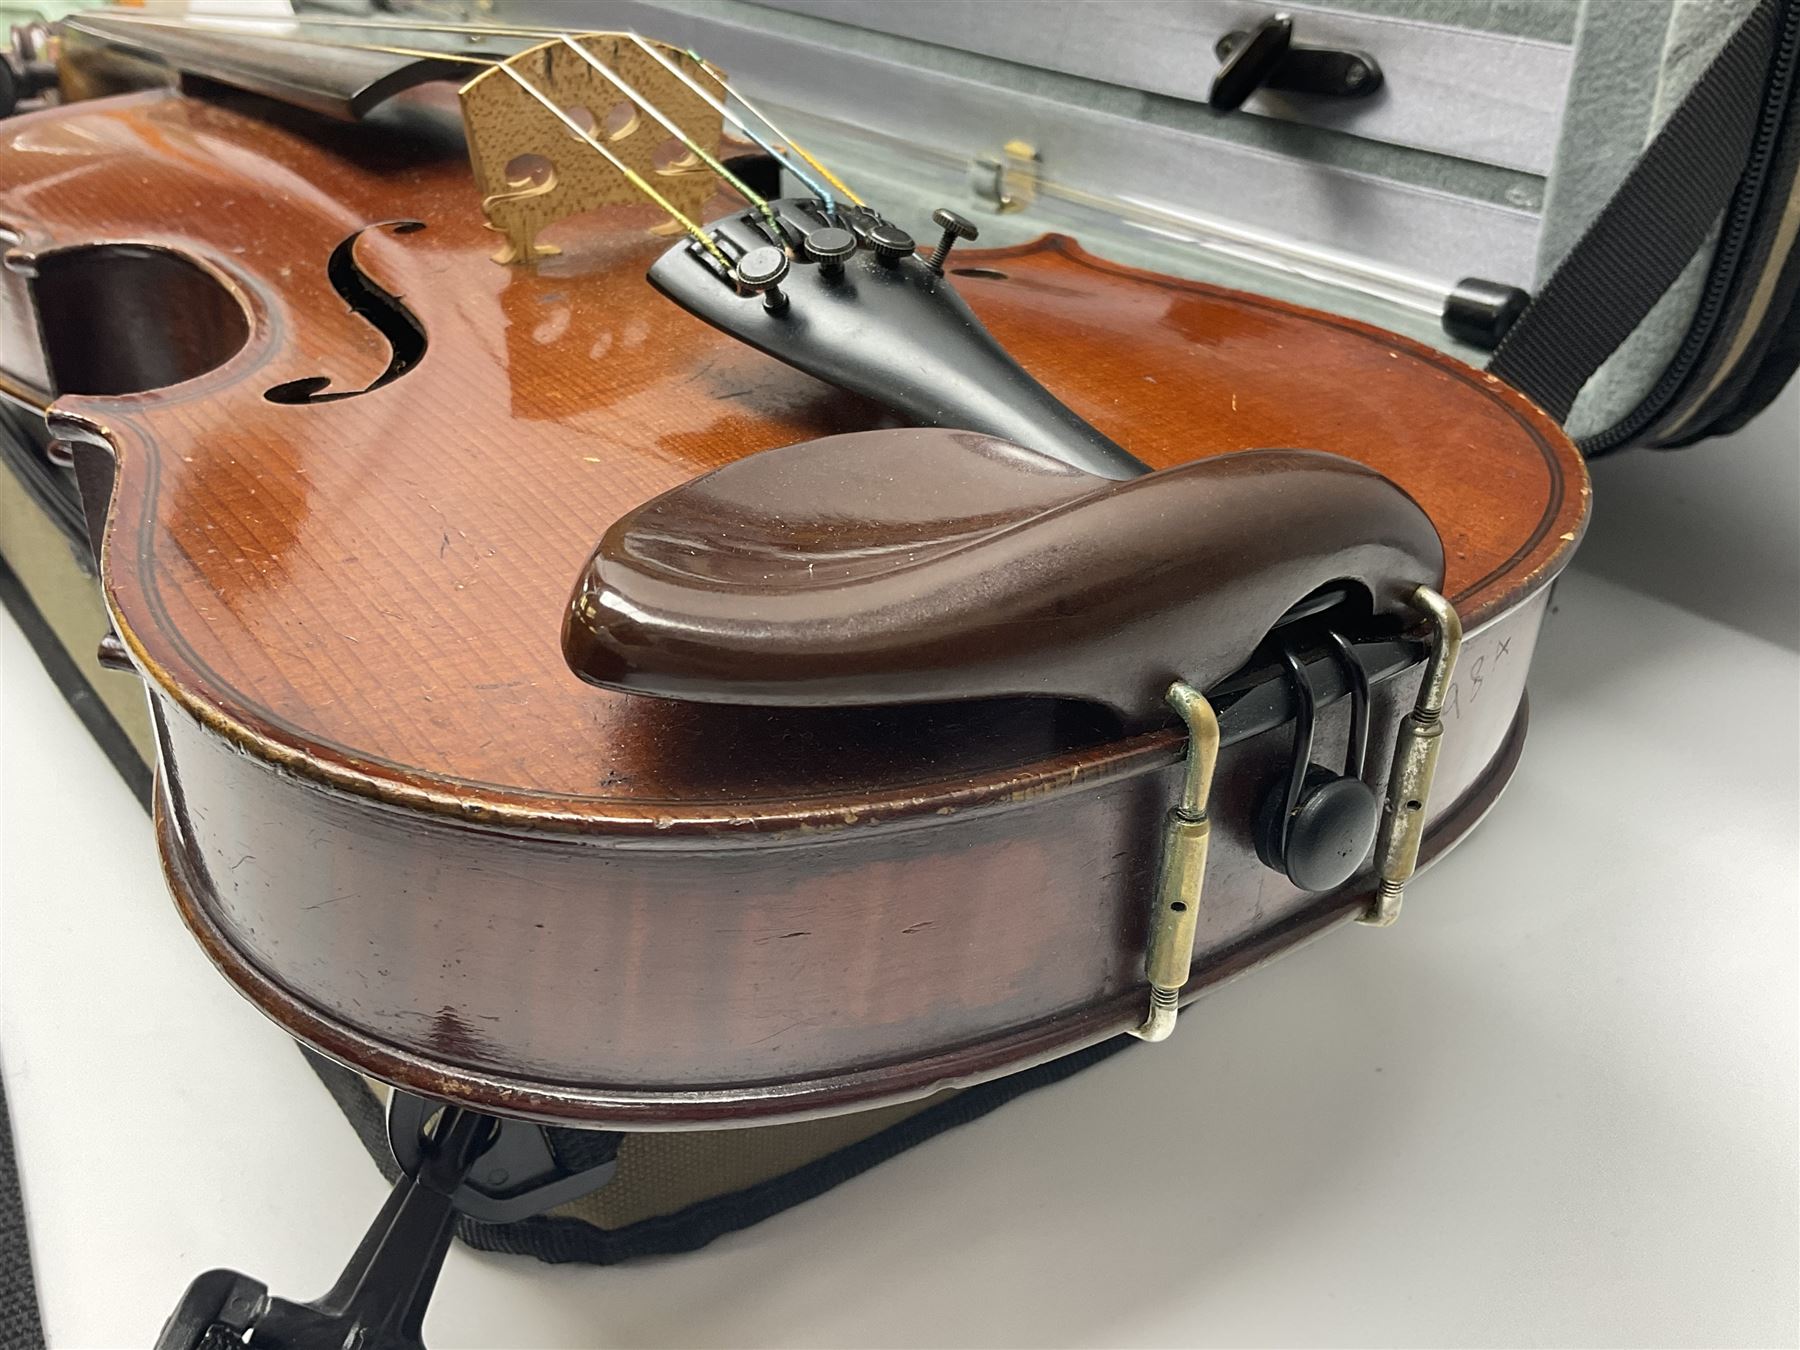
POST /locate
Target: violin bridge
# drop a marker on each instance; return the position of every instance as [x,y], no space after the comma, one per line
[553,133]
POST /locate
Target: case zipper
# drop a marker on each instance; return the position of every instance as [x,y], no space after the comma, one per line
[1734,238]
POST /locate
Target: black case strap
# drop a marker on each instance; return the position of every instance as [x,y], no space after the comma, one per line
[1642,239]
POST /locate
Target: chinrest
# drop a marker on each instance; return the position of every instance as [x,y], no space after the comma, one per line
[922,564]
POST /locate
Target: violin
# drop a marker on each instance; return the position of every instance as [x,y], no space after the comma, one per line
[639,637]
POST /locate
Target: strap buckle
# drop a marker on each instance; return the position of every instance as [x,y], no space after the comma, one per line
[453,1162]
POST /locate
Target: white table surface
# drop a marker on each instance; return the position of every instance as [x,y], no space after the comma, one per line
[1555,1105]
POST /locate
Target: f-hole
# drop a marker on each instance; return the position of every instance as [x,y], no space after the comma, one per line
[385,312]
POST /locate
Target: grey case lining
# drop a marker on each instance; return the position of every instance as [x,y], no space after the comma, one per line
[1097,86]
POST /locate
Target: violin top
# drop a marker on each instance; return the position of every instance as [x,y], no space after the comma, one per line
[348,539]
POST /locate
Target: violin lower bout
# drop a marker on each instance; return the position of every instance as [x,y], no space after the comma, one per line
[627,979]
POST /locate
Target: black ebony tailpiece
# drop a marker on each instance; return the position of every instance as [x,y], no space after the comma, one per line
[846,299]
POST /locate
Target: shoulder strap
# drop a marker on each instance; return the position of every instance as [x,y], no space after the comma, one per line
[1657,220]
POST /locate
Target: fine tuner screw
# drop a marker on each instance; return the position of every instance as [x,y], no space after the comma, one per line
[761,272]
[890,242]
[831,248]
[954,228]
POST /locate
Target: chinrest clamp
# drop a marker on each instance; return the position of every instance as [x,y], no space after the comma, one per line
[1415,764]
[1169,950]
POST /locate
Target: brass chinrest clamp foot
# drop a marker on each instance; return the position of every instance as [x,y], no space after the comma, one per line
[1169,952]
[1415,765]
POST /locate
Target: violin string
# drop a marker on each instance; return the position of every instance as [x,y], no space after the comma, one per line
[630,94]
[630,174]
[14,392]
[719,105]
[415,25]
[779,134]
[254,23]
[818,189]
[420,52]
[694,147]
[133,20]
[500,30]
[712,162]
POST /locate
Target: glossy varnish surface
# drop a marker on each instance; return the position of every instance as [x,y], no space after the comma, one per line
[400,824]
[372,587]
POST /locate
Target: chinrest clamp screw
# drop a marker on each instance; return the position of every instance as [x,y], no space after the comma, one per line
[1169,951]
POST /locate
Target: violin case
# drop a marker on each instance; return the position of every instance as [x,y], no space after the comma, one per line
[1596,199]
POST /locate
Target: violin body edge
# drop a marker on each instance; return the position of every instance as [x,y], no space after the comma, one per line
[699,982]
